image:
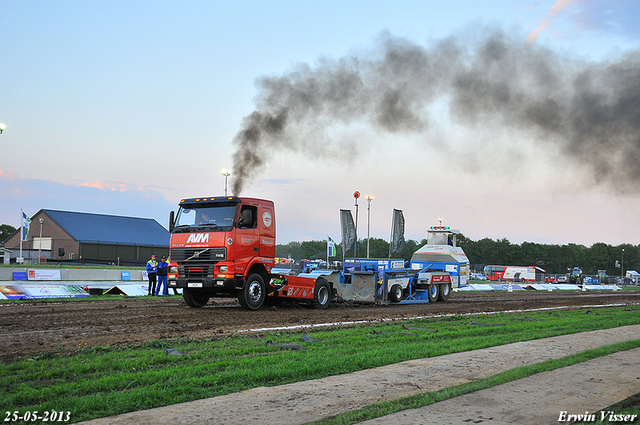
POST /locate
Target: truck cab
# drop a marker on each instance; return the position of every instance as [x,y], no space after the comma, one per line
[217,243]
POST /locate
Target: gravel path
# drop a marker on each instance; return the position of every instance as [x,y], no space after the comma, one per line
[549,393]
[552,397]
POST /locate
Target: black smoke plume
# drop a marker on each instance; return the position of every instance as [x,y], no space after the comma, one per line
[589,111]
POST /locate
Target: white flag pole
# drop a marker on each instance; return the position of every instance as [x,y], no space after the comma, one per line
[21,230]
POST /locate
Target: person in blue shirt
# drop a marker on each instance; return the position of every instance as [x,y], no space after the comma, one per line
[152,270]
[163,270]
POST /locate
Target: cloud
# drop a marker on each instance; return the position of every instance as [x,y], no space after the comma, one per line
[117,198]
[8,175]
[115,186]
[552,13]
[615,17]
[605,17]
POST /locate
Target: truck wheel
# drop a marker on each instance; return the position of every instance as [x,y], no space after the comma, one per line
[194,297]
[395,294]
[322,295]
[445,291]
[254,292]
[433,293]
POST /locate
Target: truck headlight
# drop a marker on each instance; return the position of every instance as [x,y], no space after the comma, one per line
[173,269]
[223,269]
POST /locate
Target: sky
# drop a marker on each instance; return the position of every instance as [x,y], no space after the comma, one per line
[508,119]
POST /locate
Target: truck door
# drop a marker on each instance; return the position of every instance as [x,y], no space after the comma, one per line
[247,235]
[267,227]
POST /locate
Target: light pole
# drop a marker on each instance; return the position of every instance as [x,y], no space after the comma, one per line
[2,127]
[40,242]
[369,199]
[226,175]
[622,274]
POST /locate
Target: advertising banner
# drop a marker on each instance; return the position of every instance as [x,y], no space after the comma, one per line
[19,275]
[42,291]
[43,274]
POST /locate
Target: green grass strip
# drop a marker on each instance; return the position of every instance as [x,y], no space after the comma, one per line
[385,408]
[627,407]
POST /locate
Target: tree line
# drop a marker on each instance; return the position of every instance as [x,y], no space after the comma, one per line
[554,259]
[6,230]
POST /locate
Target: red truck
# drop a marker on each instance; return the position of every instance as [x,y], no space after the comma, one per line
[225,247]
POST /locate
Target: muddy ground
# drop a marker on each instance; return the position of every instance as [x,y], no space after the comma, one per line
[39,327]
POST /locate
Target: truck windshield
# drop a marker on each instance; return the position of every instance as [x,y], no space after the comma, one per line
[207,216]
[437,238]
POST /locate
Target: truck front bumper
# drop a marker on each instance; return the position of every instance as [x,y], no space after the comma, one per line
[217,285]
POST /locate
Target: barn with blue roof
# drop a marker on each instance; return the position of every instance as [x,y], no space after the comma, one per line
[92,238]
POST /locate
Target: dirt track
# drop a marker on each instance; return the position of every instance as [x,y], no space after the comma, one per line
[39,327]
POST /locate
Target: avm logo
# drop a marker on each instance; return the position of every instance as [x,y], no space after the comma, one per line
[198,238]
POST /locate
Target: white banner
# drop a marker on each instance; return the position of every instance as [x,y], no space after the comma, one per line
[43,274]
[42,291]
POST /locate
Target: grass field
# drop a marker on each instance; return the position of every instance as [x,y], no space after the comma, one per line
[103,381]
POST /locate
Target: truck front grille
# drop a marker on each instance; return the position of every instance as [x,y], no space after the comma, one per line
[195,272]
[197,255]
[197,262]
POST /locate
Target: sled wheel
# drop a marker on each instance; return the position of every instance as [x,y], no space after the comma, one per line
[445,291]
[322,294]
[395,294]
[433,293]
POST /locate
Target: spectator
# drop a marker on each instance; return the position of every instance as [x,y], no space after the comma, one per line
[152,270]
[163,269]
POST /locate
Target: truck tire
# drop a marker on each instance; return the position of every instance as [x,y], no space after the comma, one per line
[252,296]
[395,293]
[322,294]
[194,297]
[433,293]
[445,291]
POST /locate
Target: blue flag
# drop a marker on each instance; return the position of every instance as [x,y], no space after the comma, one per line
[26,224]
[331,247]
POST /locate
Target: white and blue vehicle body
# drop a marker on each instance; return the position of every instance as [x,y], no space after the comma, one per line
[442,253]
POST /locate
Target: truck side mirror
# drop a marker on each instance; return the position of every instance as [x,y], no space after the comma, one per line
[245,221]
[172,223]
